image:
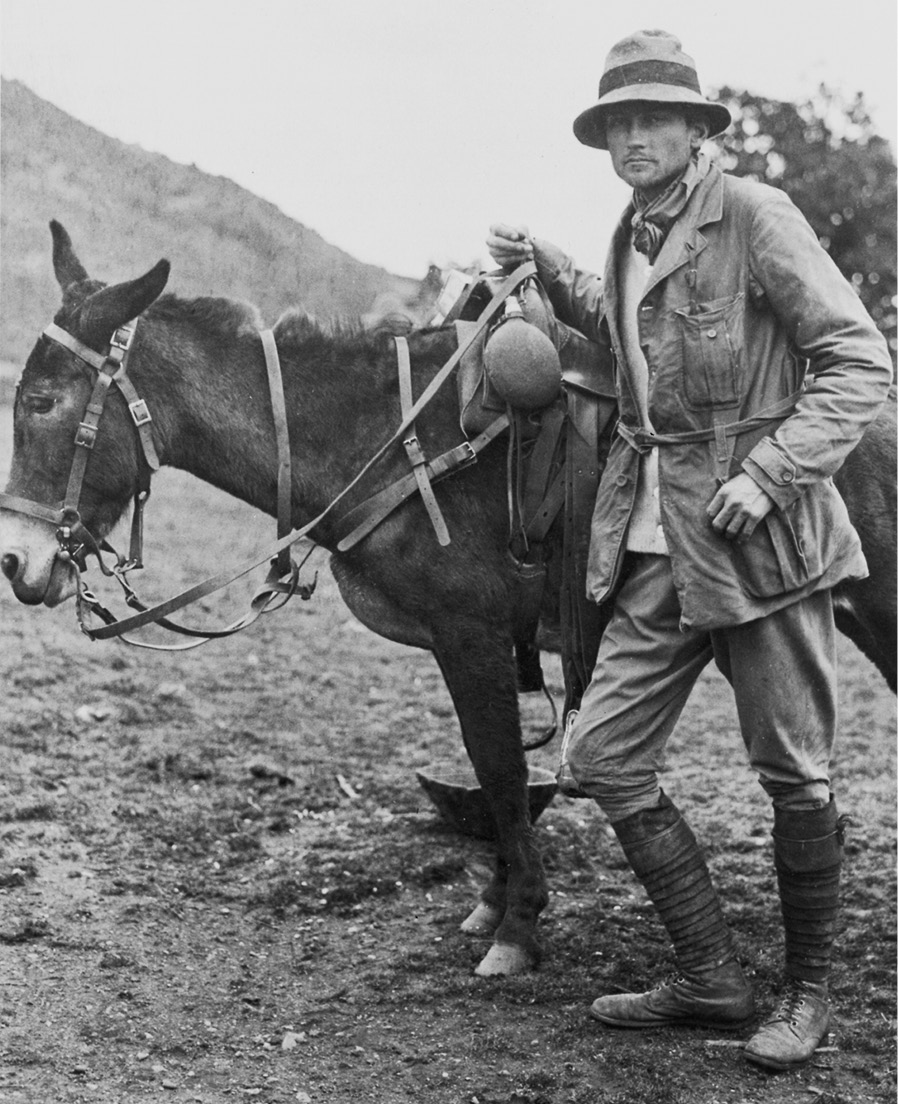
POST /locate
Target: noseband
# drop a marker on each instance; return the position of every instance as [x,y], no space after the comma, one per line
[74,539]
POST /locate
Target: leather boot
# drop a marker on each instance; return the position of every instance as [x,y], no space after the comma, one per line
[807,848]
[711,990]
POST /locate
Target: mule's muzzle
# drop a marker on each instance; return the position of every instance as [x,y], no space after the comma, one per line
[13,564]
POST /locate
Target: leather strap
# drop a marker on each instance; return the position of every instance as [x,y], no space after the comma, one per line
[582,621]
[370,513]
[413,449]
[85,352]
[543,495]
[86,437]
[31,509]
[643,440]
[282,436]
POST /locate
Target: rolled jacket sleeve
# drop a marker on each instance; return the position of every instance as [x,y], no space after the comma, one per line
[575,293]
[849,364]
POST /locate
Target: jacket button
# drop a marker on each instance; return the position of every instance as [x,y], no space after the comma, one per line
[787,476]
[621,481]
[711,333]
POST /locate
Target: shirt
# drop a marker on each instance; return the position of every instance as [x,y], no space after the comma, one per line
[644,533]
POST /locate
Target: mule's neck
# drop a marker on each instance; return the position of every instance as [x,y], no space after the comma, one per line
[210,399]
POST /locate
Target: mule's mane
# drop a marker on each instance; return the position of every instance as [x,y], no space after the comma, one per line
[347,338]
[223,317]
[234,318]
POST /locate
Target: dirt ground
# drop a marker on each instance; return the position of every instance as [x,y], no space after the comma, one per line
[220,880]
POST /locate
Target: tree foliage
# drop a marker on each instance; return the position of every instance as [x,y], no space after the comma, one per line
[825,154]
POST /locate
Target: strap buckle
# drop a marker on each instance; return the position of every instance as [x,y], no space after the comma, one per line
[122,337]
[415,452]
[119,344]
[86,435]
[470,458]
[140,412]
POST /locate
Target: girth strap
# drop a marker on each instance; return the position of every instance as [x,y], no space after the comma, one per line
[415,453]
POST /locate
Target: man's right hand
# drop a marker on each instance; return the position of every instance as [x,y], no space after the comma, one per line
[509,246]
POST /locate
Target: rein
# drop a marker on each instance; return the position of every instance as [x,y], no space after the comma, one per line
[76,542]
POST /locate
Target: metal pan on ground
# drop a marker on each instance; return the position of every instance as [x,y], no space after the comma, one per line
[454,790]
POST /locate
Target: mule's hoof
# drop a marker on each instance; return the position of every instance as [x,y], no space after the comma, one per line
[483,920]
[504,958]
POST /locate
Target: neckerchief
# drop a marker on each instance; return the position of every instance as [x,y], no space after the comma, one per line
[653,218]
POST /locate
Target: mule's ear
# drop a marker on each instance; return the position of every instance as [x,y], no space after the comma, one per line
[111,307]
[66,265]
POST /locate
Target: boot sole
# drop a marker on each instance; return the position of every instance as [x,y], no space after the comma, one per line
[780,1064]
[776,1064]
[691,1021]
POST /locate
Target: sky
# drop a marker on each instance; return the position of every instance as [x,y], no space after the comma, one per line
[400,129]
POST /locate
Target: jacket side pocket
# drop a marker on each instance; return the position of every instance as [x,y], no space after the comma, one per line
[773,560]
[793,547]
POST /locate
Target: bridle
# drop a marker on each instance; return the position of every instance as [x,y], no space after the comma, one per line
[76,542]
[74,539]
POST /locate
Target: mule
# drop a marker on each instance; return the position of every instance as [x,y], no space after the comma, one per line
[198,364]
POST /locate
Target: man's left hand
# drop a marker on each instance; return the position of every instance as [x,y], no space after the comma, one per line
[738,507]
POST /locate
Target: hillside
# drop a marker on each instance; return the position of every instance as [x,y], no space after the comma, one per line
[125,208]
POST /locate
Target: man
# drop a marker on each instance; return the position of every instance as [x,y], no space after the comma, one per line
[746,370]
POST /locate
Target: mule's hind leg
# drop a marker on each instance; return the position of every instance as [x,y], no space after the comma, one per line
[866,615]
[478,664]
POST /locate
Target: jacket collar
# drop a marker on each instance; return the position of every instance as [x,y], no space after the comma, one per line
[684,241]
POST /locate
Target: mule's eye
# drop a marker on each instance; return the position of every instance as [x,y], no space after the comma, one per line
[38,404]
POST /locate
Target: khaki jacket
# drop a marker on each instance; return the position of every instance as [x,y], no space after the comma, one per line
[762,358]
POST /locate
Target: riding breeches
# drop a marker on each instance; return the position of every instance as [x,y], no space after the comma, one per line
[782,669]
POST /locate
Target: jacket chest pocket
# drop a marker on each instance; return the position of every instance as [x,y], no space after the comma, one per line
[712,353]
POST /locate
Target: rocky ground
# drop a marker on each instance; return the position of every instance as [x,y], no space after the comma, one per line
[220,880]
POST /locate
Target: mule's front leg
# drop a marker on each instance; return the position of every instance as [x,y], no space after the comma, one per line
[477,662]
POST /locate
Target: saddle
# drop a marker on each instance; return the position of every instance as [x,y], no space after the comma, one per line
[557,389]
[553,389]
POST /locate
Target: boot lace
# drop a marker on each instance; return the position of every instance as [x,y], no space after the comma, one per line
[672,981]
[789,1006]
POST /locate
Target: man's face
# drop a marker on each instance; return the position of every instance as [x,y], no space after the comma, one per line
[651,144]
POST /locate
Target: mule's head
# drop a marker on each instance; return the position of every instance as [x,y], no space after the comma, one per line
[51,400]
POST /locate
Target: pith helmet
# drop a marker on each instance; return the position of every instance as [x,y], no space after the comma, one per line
[648,66]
